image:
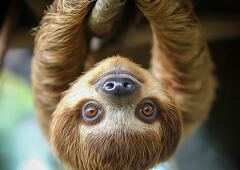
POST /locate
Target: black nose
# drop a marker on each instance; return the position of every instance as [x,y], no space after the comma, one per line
[119,86]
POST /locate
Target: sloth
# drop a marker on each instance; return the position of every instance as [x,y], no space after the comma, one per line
[118,115]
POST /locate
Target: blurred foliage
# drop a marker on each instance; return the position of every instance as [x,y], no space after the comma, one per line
[22,145]
[15,100]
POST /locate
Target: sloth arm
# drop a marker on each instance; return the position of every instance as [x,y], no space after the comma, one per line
[59,54]
[180,57]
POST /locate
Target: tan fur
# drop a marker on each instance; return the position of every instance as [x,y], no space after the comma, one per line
[60,42]
[180,58]
[120,141]
[180,81]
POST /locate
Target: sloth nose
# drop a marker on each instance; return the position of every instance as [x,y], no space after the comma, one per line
[119,86]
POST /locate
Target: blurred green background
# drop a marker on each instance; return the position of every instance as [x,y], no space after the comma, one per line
[22,145]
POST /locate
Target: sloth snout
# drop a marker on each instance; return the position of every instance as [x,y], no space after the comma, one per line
[119,86]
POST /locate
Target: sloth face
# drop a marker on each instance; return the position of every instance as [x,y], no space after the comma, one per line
[116,116]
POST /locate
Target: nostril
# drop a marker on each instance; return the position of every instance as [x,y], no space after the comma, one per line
[119,86]
[127,85]
[109,85]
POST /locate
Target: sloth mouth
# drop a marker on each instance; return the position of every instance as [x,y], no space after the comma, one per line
[119,72]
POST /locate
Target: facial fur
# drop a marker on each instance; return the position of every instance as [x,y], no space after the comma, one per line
[120,136]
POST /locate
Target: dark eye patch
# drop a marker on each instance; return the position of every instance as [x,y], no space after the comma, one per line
[92,112]
[148,110]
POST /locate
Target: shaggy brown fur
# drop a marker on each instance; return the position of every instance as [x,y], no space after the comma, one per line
[180,57]
[180,82]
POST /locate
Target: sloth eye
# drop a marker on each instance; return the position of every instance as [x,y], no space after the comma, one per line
[91,111]
[147,111]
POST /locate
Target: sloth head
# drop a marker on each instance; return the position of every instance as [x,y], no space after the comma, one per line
[115,116]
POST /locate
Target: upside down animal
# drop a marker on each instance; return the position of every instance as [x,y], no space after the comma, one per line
[117,115]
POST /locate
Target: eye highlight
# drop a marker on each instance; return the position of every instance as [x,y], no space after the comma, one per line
[147,111]
[92,112]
